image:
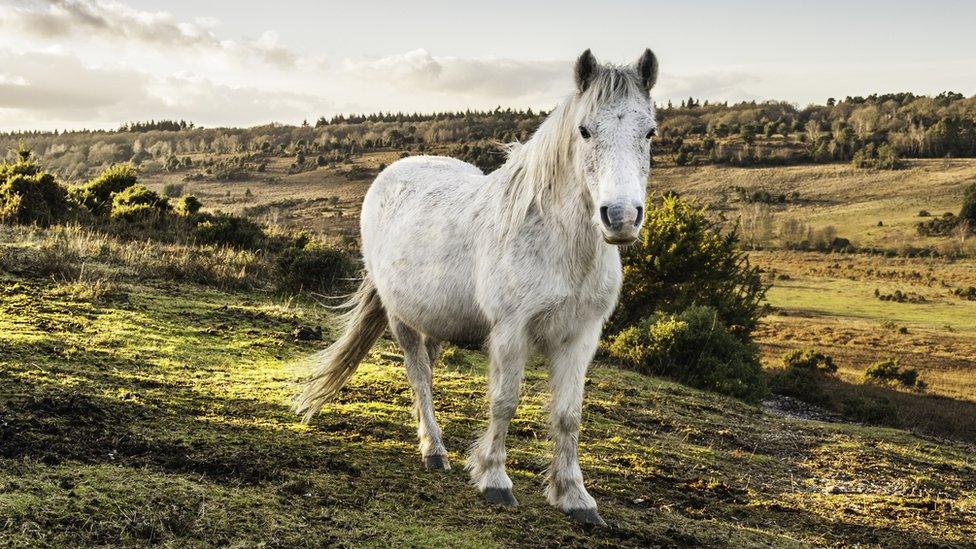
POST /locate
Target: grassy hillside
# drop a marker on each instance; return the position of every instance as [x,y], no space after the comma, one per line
[853,200]
[140,411]
[824,301]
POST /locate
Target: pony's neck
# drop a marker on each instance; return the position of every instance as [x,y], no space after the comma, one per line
[543,183]
[542,175]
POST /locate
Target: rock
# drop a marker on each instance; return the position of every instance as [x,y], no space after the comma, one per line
[307,333]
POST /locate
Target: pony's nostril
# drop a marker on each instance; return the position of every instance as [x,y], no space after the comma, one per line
[640,216]
[605,215]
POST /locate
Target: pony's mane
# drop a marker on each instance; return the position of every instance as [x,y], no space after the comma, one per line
[540,171]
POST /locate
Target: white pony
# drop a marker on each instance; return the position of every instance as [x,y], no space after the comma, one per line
[523,258]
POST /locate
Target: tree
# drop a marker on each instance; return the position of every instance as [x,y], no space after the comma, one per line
[792,231]
[681,260]
[757,223]
[748,133]
[968,211]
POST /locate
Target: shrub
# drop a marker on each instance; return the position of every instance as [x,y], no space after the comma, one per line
[313,267]
[173,190]
[966,293]
[938,226]
[869,409]
[96,195]
[229,230]
[802,376]
[890,372]
[28,195]
[137,203]
[809,359]
[681,260]
[888,158]
[188,205]
[884,158]
[694,347]
[968,210]
[804,384]
[899,296]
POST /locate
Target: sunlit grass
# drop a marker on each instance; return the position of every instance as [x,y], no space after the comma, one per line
[841,298]
[158,413]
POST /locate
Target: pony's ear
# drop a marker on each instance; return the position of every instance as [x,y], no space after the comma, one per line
[647,69]
[586,69]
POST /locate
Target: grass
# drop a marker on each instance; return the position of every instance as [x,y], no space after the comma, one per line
[827,302]
[852,200]
[847,299]
[157,413]
[139,407]
[72,253]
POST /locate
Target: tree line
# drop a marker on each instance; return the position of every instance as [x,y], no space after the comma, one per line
[871,132]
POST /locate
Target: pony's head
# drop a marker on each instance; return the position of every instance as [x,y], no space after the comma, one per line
[614,124]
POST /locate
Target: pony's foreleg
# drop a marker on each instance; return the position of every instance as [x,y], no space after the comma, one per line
[508,348]
[417,358]
[569,360]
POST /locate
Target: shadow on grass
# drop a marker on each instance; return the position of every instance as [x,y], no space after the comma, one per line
[881,405]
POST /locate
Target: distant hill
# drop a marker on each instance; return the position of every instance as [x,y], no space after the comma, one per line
[874,131]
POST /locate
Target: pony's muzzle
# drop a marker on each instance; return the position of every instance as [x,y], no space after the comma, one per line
[621,222]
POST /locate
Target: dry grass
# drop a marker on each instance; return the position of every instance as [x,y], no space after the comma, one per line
[323,200]
[826,301]
[852,200]
[70,253]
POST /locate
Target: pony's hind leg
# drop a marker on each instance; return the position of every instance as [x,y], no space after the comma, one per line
[509,350]
[417,358]
[434,350]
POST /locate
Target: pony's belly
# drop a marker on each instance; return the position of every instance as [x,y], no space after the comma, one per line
[440,314]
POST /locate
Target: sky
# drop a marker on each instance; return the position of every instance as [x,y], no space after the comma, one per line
[98,63]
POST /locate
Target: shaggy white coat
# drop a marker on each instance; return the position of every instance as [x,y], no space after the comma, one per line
[518,258]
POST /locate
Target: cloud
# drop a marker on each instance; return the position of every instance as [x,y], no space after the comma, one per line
[12,80]
[211,104]
[716,85]
[62,85]
[115,22]
[53,90]
[126,64]
[507,79]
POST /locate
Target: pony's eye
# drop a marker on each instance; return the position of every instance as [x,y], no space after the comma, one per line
[651,133]
[584,132]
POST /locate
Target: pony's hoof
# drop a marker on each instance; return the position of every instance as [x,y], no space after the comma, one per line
[500,496]
[437,463]
[586,516]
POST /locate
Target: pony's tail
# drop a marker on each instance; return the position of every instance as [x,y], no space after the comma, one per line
[363,324]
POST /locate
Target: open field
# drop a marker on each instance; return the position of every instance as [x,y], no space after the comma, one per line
[157,413]
[827,302]
[824,301]
[852,200]
[140,407]
[323,200]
